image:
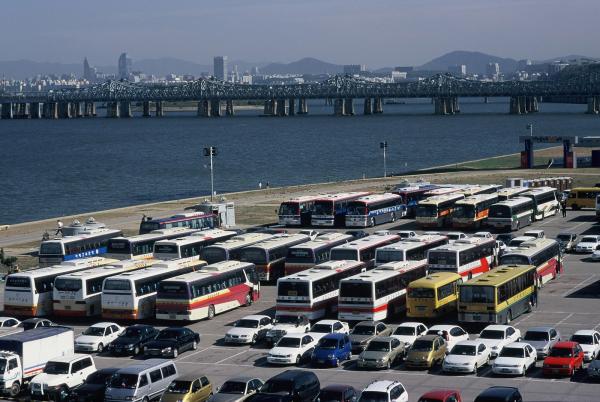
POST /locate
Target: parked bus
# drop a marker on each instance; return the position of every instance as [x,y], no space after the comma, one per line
[412,194]
[511,192]
[132,295]
[231,249]
[511,214]
[411,249]
[330,210]
[269,255]
[78,294]
[307,255]
[29,293]
[473,211]
[377,294]
[498,296]
[437,211]
[442,191]
[467,257]
[86,244]
[598,206]
[297,211]
[314,292]
[374,210]
[189,246]
[544,202]
[363,249]
[542,253]
[583,197]
[469,191]
[191,220]
[203,294]
[141,246]
[433,296]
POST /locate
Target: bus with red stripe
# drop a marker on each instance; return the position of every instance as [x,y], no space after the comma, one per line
[410,249]
[473,211]
[437,211]
[363,249]
[212,290]
[543,253]
[314,292]
[306,255]
[330,210]
[192,220]
[297,211]
[189,246]
[411,194]
[377,294]
[467,257]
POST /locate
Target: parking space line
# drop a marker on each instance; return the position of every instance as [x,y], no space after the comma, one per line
[194,353]
[580,284]
[237,354]
[564,319]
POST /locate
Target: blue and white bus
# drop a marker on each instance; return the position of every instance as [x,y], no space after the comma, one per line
[86,244]
[192,220]
[374,210]
[330,210]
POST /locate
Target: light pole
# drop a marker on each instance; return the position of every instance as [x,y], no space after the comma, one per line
[210,152]
[383,145]
[530,128]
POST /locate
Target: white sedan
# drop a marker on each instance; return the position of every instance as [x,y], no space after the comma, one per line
[451,334]
[9,322]
[596,254]
[324,327]
[515,359]
[589,340]
[408,332]
[292,349]
[97,337]
[496,337]
[249,329]
[588,244]
[466,357]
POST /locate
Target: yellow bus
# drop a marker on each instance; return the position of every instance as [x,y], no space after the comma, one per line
[498,296]
[583,197]
[433,296]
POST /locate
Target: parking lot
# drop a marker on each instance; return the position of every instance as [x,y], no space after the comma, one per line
[569,303]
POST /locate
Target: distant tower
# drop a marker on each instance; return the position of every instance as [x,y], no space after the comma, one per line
[124,66]
[220,67]
[87,71]
[493,70]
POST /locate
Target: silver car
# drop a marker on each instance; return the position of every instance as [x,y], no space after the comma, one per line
[382,352]
[542,339]
[236,389]
[365,331]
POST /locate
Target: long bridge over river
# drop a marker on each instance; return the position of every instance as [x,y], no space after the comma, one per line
[215,98]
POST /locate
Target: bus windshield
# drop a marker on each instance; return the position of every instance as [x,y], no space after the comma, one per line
[213,254]
[117,284]
[464,211]
[421,293]
[289,208]
[173,290]
[65,284]
[254,255]
[344,254]
[441,257]
[16,282]
[477,294]
[51,248]
[292,289]
[356,289]
[500,211]
[514,259]
[166,249]
[384,256]
[427,210]
[300,255]
[323,208]
[357,208]
[117,246]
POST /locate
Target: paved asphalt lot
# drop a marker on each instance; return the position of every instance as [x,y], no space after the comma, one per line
[570,303]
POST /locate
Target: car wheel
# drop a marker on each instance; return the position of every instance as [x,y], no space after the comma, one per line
[145,399]
[194,345]
[15,389]
[509,317]
[372,223]
[475,369]
[248,300]
[524,371]
[100,348]
[211,312]
[349,356]
[175,352]
[388,365]
[136,350]
[393,217]
[298,360]
[254,339]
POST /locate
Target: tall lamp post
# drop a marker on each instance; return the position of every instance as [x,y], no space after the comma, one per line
[383,145]
[530,128]
[210,152]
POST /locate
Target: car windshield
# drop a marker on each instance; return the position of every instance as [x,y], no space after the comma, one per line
[422,345]
[378,346]
[564,237]
[536,336]
[179,387]
[167,334]
[56,368]
[404,331]
[328,343]
[583,339]
[363,330]
[233,387]
[98,377]
[94,331]
[463,350]
[512,352]
[330,396]
[321,328]
[588,239]
[277,386]
[28,325]
[289,342]
[124,381]
[491,334]
[372,396]
[287,319]
[247,324]
[454,236]
[132,333]
[561,352]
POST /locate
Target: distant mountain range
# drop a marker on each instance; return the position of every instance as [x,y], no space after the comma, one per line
[476,63]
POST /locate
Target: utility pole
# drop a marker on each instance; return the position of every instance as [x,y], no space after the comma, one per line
[383,145]
[530,128]
[210,152]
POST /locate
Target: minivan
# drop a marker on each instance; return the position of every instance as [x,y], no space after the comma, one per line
[289,386]
[142,381]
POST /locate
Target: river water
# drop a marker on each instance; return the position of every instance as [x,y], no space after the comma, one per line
[53,168]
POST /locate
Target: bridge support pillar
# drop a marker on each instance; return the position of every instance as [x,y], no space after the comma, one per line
[378,106]
[368,108]
[292,106]
[158,112]
[112,110]
[36,110]
[146,109]
[349,107]
[204,108]
[281,109]
[593,105]
[51,110]
[229,111]
[269,109]
[77,111]
[302,106]
[215,107]
[64,110]
[516,105]
[22,111]
[439,106]
[88,109]
[338,107]
[7,111]
[125,109]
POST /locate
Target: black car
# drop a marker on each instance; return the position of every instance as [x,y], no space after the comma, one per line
[500,394]
[32,323]
[169,342]
[92,390]
[338,393]
[132,340]
[289,386]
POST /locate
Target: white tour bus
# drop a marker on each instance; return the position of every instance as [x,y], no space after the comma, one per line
[90,243]
[189,246]
[141,246]
[473,211]
[437,211]
[511,214]
[377,294]
[29,294]
[363,249]
[230,249]
[411,249]
[544,201]
[297,211]
[314,292]
[543,253]
[132,295]
[374,209]
[511,192]
[307,255]
[330,210]
[467,257]
[78,294]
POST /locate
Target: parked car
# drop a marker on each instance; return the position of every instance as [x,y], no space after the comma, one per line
[32,323]
[483,235]
[142,381]
[537,233]
[384,390]
[427,351]
[364,331]
[589,340]
[338,393]
[237,389]
[451,334]
[542,339]
[9,322]
[596,254]
[588,244]
[406,234]
[593,369]
[190,388]
[505,237]
[566,241]
[96,337]
[467,357]
[408,332]
[564,359]
[515,359]
[381,352]
[286,324]
[292,349]
[331,350]
[500,394]
[289,386]
[250,329]
[92,390]
[442,395]
[496,337]
[132,340]
[323,327]
[170,342]
[454,236]
[60,375]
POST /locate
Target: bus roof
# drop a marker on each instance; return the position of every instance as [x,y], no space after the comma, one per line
[499,275]
[66,267]
[539,190]
[343,196]
[437,199]
[224,266]
[401,265]
[118,267]
[210,271]
[85,235]
[474,199]
[367,241]
[197,237]
[413,242]
[441,191]
[464,244]
[513,202]
[305,198]
[180,262]
[321,271]
[323,240]
[435,280]
[181,216]
[282,239]
[377,197]
[511,191]
[471,190]
[149,272]
[530,247]
[378,274]
[242,240]
[183,231]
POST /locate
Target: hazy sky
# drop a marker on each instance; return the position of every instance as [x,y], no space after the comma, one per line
[375,32]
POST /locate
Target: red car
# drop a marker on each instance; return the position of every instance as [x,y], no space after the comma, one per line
[564,358]
[441,395]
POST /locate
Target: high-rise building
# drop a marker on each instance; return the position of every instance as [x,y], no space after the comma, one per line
[220,67]
[458,69]
[493,70]
[124,66]
[353,69]
[89,73]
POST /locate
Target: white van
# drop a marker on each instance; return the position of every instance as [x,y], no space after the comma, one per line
[142,381]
